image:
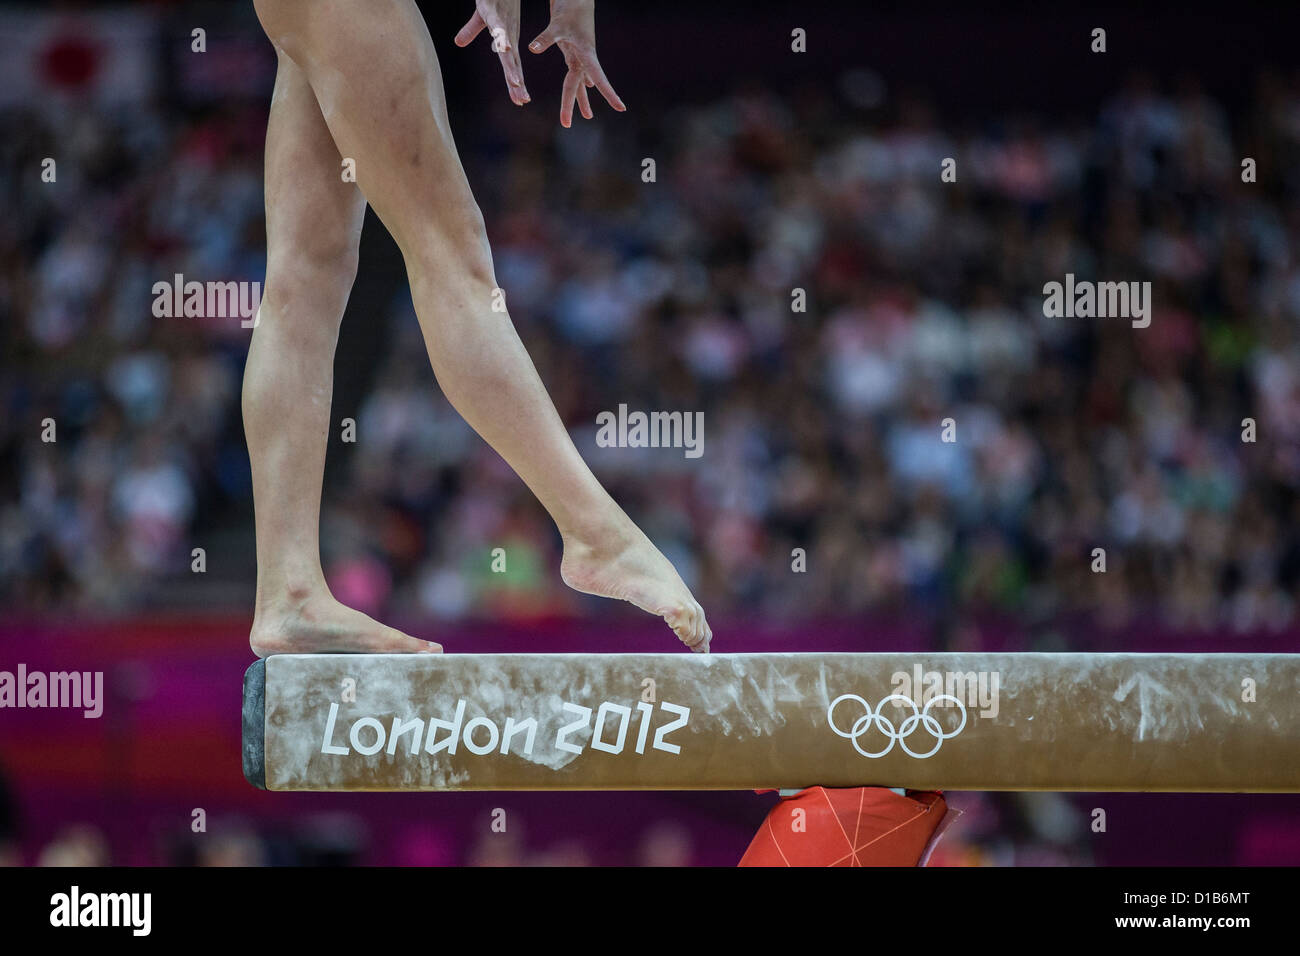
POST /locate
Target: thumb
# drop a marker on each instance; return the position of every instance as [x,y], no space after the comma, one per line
[543,42]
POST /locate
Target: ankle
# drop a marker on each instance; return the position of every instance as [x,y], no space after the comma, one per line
[281,596]
[598,539]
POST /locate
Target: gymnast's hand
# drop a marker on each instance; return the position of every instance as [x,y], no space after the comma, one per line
[501,17]
[573,29]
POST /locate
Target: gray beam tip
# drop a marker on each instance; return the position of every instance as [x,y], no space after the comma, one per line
[254,724]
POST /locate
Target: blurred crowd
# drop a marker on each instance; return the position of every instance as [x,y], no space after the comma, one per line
[118,429]
[798,272]
[1038,829]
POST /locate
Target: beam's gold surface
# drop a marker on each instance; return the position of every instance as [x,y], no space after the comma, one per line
[1168,722]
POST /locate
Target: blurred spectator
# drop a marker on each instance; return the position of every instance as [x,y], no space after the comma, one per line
[76,846]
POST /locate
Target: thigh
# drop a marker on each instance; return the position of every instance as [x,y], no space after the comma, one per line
[373,69]
[313,215]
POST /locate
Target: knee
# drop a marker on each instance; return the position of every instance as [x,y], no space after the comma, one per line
[454,248]
[332,265]
[311,281]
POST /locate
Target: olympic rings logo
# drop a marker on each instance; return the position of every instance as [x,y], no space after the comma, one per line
[876,718]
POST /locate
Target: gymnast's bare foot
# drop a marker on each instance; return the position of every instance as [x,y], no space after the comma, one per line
[315,623]
[620,562]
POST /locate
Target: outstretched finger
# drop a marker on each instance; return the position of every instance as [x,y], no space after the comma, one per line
[470,30]
[591,67]
[513,70]
[583,103]
[505,47]
[572,83]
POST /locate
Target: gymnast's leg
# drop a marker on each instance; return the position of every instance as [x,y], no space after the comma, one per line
[313,225]
[373,69]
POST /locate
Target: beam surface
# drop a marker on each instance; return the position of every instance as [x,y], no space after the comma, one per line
[1090,722]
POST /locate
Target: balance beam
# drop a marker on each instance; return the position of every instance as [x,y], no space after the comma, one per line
[1090,722]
